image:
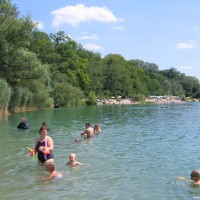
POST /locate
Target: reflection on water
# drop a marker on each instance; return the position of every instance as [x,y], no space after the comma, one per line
[139,155]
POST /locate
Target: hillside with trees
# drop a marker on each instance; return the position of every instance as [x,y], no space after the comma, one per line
[38,70]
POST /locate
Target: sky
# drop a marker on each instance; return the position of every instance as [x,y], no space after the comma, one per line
[163,32]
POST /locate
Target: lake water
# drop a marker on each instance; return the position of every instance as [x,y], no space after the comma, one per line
[139,154]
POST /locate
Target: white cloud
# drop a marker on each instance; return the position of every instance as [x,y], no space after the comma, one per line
[188,67]
[196,27]
[119,27]
[186,45]
[39,25]
[90,37]
[91,46]
[73,15]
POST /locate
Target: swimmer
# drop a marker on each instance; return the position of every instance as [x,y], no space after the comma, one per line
[23,124]
[195,176]
[89,131]
[73,162]
[51,168]
[97,129]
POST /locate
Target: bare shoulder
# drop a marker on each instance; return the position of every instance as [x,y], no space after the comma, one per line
[48,137]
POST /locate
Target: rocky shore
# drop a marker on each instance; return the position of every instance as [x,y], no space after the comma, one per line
[150,99]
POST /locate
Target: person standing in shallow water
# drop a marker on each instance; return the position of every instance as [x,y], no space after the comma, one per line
[89,131]
[44,146]
[23,124]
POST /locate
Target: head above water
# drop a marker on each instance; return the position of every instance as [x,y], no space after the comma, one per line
[23,119]
[87,125]
[42,130]
[195,175]
[72,157]
[96,126]
[50,167]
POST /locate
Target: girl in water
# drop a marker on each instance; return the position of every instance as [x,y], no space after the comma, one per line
[97,129]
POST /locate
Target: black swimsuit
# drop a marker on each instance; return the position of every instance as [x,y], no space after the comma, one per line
[41,156]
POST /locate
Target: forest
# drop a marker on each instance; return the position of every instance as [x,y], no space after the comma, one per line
[38,70]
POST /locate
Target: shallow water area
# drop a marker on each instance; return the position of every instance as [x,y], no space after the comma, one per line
[139,154]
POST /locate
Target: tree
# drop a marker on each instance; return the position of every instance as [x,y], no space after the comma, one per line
[116,79]
[5,94]
[41,44]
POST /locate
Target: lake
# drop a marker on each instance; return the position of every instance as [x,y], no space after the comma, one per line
[139,154]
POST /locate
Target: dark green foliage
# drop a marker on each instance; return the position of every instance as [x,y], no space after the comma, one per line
[5,94]
[92,99]
[42,70]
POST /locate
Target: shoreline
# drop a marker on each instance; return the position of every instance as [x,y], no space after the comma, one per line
[153,100]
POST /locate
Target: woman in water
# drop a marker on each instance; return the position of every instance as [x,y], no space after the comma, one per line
[44,146]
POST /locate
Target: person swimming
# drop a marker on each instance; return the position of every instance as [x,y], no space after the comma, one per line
[97,129]
[195,176]
[23,124]
[73,162]
[51,168]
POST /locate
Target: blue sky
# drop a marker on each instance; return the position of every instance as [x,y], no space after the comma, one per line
[164,32]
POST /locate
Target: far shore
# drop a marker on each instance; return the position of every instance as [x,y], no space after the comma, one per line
[147,100]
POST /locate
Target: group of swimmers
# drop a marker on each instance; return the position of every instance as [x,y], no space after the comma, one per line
[44,146]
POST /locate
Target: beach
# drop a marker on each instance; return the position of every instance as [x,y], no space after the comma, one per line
[150,99]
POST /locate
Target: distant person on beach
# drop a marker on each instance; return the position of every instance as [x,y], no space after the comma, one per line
[195,176]
[97,129]
[51,168]
[89,131]
[23,124]
[72,161]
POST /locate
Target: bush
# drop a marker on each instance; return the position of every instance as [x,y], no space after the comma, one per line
[92,99]
[5,94]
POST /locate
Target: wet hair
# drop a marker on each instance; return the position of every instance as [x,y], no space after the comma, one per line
[87,124]
[51,166]
[43,124]
[73,154]
[96,126]
[42,128]
[196,174]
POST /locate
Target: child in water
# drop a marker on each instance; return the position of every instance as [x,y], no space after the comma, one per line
[73,162]
[195,176]
[51,168]
[97,129]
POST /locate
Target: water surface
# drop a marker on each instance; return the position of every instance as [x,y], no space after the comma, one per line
[139,154]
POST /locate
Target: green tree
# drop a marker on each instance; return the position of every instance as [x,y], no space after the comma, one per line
[116,78]
[41,44]
[5,94]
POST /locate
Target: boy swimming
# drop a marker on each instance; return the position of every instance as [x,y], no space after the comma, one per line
[72,161]
[51,168]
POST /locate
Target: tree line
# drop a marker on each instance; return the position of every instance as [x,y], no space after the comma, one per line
[38,70]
